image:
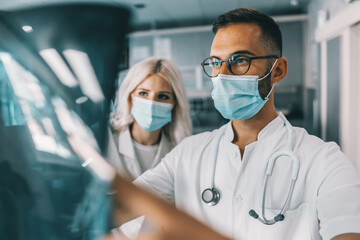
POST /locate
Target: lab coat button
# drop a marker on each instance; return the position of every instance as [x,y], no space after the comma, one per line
[238,198]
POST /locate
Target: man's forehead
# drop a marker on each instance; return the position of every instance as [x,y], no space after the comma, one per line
[236,37]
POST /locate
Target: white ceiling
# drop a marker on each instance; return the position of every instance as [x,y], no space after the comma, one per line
[178,13]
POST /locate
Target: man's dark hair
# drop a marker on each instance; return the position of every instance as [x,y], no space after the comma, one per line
[271,34]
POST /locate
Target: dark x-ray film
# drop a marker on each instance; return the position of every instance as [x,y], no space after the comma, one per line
[58,66]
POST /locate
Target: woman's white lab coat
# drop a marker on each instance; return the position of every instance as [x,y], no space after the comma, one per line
[120,153]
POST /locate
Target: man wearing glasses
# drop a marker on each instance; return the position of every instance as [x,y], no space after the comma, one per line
[257,177]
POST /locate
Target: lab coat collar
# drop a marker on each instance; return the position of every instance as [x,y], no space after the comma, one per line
[272,127]
[125,145]
[268,130]
[126,148]
[165,146]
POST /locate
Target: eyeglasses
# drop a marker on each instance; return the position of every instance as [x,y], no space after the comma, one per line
[237,64]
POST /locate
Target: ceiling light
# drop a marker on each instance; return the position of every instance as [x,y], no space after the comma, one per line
[59,67]
[81,65]
[81,100]
[27,28]
[294,3]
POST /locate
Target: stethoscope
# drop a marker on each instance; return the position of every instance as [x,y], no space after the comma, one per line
[211,196]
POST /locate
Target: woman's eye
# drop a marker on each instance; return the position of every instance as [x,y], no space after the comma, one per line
[163,97]
[144,94]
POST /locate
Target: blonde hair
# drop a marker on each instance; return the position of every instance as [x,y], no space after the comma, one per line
[180,126]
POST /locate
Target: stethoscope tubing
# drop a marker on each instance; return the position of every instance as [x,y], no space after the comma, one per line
[269,169]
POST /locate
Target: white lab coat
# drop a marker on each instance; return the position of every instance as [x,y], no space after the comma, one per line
[120,153]
[325,202]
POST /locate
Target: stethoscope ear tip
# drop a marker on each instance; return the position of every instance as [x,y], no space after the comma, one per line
[253,214]
[279,218]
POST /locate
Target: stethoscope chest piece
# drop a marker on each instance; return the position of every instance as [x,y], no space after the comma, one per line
[211,196]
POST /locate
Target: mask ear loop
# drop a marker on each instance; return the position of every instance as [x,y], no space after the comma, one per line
[269,71]
[267,96]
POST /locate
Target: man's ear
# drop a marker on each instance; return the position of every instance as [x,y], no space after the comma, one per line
[279,71]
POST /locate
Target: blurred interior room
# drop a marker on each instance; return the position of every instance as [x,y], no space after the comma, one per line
[57,114]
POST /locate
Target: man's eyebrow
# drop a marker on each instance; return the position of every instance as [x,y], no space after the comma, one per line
[241,52]
[244,52]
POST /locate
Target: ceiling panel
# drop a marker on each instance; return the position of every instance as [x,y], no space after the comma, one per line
[159,14]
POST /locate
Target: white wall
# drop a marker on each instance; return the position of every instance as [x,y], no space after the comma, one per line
[339,26]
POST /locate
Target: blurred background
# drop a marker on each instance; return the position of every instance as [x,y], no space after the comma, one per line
[52,126]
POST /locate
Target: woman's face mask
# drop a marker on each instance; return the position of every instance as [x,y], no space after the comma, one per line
[152,101]
[150,115]
[237,96]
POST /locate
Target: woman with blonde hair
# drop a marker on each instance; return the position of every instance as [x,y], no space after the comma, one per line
[152,116]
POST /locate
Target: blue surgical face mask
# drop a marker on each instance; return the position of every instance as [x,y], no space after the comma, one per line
[237,96]
[150,115]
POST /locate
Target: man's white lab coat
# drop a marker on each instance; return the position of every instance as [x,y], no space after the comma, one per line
[325,202]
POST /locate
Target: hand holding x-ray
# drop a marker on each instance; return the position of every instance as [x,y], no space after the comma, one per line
[167,221]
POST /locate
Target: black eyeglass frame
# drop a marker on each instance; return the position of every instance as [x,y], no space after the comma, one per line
[229,65]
